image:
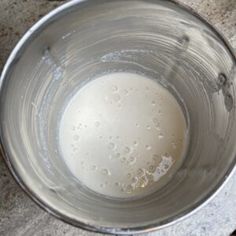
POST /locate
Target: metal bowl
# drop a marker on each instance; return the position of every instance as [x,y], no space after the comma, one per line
[83,39]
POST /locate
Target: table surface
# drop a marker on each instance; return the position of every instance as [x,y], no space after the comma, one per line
[19,215]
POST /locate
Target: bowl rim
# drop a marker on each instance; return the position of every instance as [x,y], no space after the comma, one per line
[12,60]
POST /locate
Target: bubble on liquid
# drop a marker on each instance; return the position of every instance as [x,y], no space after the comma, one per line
[100,137]
[151,168]
[148,127]
[117,155]
[129,188]
[117,184]
[132,160]
[148,147]
[102,185]
[127,149]
[129,175]
[166,166]
[143,182]
[166,157]
[76,137]
[135,179]
[153,103]
[114,88]
[105,172]
[123,160]
[97,123]
[125,91]
[135,143]
[117,137]
[134,182]
[157,174]
[140,172]
[160,136]
[137,125]
[150,178]
[111,145]
[116,97]
[73,128]
[163,167]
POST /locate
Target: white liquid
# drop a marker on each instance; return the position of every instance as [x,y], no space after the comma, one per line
[123,135]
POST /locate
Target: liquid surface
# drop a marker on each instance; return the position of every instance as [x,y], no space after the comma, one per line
[123,135]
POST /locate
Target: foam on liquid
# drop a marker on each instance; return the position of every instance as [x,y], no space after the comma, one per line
[123,135]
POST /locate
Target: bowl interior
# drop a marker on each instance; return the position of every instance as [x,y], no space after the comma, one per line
[85,39]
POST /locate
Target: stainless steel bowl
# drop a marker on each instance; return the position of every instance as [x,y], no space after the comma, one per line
[83,39]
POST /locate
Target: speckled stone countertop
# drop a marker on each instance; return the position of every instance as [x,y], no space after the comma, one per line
[19,215]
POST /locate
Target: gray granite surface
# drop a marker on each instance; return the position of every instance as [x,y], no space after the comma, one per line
[19,215]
